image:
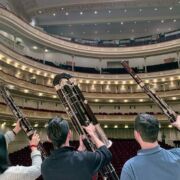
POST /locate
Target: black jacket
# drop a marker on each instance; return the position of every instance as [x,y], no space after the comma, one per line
[67,164]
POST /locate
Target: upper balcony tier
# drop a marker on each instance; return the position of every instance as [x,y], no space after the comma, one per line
[18,25]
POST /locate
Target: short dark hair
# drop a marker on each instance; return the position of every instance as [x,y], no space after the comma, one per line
[148,126]
[57,131]
[4,160]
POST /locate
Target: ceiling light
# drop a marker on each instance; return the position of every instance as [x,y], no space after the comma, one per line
[3,124]
[52,76]
[109,11]
[94,82]
[126,126]
[39,11]
[131,82]
[124,82]
[95,12]
[171,78]
[23,67]
[169,29]
[26,90]
[141,100]
[54,14]
[36,125]
[33,77]
[14,124]
[105,126]
[155,9]
[67,14]
[16,64]
[115,126]
[95,24]
[54,96]
[111,100]
[101,82]
[38,72]
[169,126]
[40,94]
[174,98]
[134,22]
[81,13]
[46,125]
[45,74]
[35,47]
[46,50]
[108,23]
[146,81]
[11,86]
[31,70]
[125,100]
[163,79]
[162,21]
[96,100]
[122,23]
[84,32]
[174,20]
[155,80]
[140,10]
[8,61]
[125,10]
[115,82]
[170,8]
[87,81]
[80,80]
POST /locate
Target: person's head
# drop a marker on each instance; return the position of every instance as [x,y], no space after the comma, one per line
[146,128]
[58,132]
[4,161]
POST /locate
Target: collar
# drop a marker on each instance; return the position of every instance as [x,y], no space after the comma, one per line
[63,149]
[149,151]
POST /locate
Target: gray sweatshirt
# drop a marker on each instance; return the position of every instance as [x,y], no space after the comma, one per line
[22,172]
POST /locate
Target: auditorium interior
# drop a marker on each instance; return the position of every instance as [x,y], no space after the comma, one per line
[88,40]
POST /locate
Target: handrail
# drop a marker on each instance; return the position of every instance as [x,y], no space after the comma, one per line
[87,51]
[15,56]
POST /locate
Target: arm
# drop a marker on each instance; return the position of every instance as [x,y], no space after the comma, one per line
[10,135]
[102,156]
[91,130]
[177,122]
[34,171]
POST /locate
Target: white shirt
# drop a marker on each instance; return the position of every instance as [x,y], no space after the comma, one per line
[23,172]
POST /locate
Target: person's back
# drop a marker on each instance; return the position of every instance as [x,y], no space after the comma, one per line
[153,164]
[67,164]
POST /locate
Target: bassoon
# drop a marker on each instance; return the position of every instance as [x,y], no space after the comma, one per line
[80,114]
[168,111]
[24,123]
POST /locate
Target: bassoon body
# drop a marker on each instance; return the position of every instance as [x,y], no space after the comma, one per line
[80,113]
[25,124]
[168,111]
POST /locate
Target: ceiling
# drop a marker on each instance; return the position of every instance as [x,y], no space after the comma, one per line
[101,19]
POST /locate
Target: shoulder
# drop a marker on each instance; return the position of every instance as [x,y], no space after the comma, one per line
[130,163]
[175,151]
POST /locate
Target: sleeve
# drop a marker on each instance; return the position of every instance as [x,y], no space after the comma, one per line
[9,136]
[96,160]
[30,172]
[126,173]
